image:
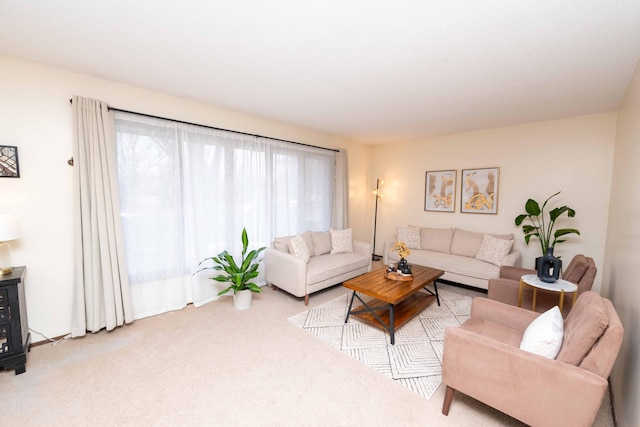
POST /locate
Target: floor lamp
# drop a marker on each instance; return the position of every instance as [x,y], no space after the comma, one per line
[379,195]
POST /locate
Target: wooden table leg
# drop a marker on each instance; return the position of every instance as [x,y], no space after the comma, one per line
[535,295]
[561,300]
[573,301]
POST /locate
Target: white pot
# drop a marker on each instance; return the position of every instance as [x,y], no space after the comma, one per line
[242,300]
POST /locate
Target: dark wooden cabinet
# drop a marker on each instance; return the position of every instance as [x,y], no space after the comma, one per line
[14,328]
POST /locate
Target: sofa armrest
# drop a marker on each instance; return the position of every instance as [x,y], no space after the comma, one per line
[362,248]
[529,387]
[388,244]
[504,314]
[514,273]
[286,271]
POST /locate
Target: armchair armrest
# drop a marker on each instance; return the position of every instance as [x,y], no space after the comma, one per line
[529,387]
[514,273]
[286,271]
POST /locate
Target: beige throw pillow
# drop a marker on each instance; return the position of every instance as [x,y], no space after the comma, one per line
[436,239]
[298,247]
[410,236]
[494,250]
[341,241]
[321,242]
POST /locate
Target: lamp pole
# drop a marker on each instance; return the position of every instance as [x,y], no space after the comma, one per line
[375,257]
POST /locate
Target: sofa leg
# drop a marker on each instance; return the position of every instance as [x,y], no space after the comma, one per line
[448,398]
[306,299]
[273,287]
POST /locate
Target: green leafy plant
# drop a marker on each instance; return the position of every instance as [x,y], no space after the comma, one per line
[238,275]
[542,229]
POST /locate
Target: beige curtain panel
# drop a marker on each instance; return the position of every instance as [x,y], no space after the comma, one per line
[102,297]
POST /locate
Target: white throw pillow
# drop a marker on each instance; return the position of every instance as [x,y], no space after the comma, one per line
[410,236]
[494,250]
[341,241]
[544,335]
[299,248]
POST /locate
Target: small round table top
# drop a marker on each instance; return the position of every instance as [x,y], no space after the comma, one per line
[557,286]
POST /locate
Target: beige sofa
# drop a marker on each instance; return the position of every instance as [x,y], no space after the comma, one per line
[461,254]
[291,272]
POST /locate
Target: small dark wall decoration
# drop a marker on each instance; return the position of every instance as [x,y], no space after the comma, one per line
[9,167]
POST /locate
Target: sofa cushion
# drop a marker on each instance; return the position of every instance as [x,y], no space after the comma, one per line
[282,243]
[494,250]
[584,325]
[325,267]
[436,239]
[462,265]
[299,248]
[341,241]
[576,269]
[309,241]
[321,242]
[543,336]
[410,236]
[466,243]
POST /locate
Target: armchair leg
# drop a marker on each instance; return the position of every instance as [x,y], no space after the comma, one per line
[306,299]
[448,398]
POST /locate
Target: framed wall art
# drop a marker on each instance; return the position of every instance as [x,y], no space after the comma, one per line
[9,167]
[440,191]
[479,190]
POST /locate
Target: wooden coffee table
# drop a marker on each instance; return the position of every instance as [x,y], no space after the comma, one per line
[395,302]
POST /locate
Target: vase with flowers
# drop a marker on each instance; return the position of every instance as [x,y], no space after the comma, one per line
[403,251]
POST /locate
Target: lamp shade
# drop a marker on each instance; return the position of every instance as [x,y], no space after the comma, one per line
[8,228]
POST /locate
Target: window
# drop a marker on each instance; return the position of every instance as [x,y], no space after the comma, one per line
[187,191]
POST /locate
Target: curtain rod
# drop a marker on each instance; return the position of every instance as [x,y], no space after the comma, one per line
[217,128]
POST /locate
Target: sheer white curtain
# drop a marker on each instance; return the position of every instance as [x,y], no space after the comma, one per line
[187,192]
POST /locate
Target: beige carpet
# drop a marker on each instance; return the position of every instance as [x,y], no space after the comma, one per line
[215,366]
[415,361]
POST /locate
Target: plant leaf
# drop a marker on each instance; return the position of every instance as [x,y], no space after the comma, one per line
[532,207]
[521,218]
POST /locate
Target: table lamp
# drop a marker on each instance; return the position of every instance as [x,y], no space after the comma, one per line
[8,231]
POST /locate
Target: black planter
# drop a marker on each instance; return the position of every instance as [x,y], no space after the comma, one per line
[402,264]
[548,267]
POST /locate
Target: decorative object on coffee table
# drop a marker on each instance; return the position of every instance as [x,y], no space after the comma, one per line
[238,275]
[404,251]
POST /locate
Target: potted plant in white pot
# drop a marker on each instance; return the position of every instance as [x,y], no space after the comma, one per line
[238,275]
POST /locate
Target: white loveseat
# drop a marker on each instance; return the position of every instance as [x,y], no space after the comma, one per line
[466,257]
[312,261]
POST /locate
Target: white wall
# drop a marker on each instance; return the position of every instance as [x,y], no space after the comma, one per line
[622,261]
[36,117]
[573,155]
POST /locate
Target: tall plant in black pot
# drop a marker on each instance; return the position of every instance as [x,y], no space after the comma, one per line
[543,228]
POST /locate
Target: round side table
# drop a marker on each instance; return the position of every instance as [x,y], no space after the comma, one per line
[560,286]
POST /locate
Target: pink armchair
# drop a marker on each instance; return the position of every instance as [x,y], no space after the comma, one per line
[581,271]
[482,359]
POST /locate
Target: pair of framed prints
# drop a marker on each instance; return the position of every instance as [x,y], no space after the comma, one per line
[478,191]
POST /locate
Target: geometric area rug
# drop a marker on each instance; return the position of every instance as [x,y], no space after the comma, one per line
[415,361]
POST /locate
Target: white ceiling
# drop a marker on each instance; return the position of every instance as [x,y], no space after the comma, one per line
[375,71]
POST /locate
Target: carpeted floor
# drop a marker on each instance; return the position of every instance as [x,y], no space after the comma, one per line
[415,361]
